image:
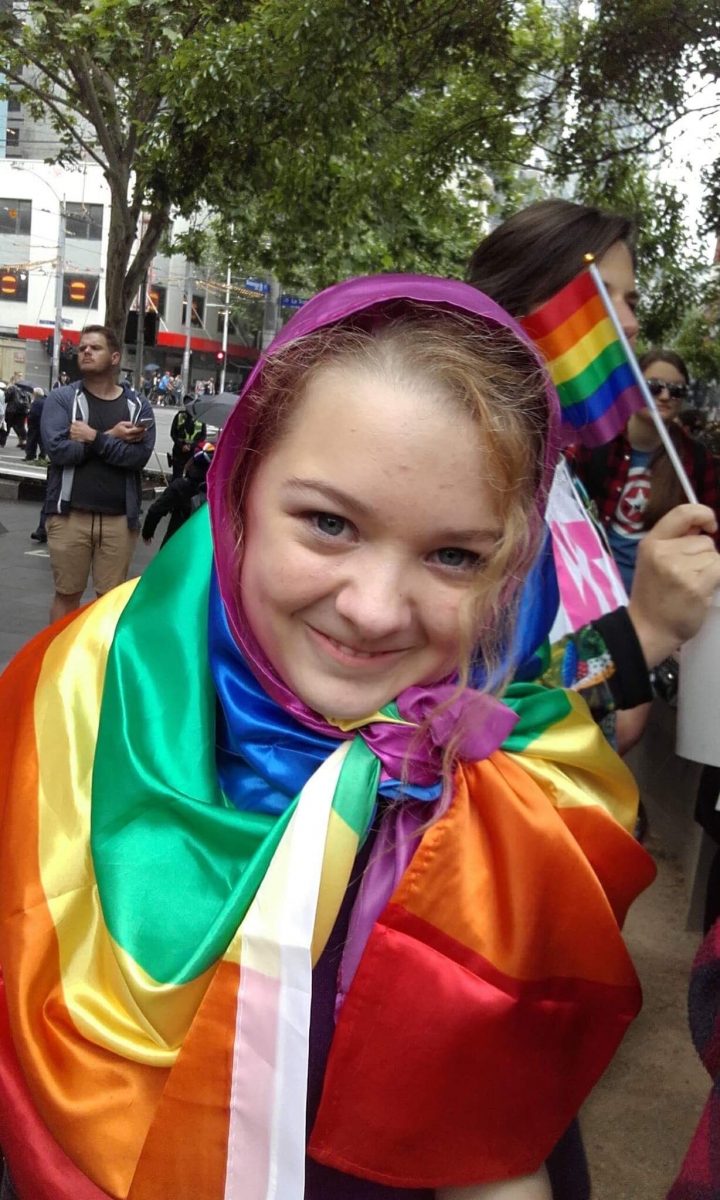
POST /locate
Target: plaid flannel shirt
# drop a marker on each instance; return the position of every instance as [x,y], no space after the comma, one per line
[604,472]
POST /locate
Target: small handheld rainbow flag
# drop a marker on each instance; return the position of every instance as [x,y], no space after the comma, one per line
[587,362]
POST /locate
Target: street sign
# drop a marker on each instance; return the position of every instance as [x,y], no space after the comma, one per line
[44,321]
[292,301]
[257,285]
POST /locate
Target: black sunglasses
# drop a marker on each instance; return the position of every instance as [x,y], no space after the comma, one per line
[676,391]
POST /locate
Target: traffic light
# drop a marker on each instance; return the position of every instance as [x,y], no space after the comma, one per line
[219,357]
[13,284]
[80,291]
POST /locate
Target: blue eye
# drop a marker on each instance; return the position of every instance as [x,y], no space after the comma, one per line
[329,524]
[457,559]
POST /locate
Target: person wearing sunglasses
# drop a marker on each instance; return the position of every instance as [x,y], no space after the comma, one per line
[632,480]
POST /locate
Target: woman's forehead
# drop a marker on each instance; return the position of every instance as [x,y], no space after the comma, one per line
[387,445]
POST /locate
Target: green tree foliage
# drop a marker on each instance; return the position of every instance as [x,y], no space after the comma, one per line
[333,135]
[102,71]
[339,136]
[671,277]
[638,66]
[698,339]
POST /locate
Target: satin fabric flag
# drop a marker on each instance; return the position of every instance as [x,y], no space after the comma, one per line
[157,1037]
[595,383]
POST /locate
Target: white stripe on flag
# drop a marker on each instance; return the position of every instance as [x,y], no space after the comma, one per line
[266,1141]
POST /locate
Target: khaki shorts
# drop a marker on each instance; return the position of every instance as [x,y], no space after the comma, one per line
[84,541]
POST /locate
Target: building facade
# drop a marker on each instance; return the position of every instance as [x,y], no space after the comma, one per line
[40,202]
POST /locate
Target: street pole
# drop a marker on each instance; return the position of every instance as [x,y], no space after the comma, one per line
[60,271]
[189,282]
[140,340]
[270,312]
[226,323]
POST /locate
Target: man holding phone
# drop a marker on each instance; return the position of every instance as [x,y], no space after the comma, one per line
[98,435]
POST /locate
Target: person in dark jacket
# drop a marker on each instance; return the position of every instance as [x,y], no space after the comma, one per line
[34,446]
[180,496]
[17,403]
[186,432]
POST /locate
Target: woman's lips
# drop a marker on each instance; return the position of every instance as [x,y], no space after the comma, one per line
[345,654]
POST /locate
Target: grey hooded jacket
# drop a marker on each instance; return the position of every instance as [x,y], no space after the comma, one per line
[67,404]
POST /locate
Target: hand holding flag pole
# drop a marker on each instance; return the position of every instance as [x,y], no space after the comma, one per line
[642,383]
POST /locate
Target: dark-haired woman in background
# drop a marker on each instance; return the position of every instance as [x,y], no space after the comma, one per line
[632,479]
[521,264]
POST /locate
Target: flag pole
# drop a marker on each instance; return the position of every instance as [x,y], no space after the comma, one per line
[642,384]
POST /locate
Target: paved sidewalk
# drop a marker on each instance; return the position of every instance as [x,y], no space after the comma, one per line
[26,587]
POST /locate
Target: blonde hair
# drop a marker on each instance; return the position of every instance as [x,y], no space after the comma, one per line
[483,370]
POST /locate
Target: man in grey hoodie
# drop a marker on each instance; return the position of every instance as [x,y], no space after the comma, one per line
[98,436]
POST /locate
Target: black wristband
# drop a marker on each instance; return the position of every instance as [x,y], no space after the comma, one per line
[630,682]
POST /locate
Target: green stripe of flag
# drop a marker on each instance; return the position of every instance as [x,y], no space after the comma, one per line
[581,386]
[538,708]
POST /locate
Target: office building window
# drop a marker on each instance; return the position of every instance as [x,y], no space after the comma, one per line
[13,284]
[12,136]
[13,104]
[15,216]
[81,291]
[156,298]
[198,312]
[84,221]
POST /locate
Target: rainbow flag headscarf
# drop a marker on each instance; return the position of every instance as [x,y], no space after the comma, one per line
[170,879]
[595,383]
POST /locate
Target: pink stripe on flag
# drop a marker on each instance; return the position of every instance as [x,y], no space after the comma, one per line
[253,1088]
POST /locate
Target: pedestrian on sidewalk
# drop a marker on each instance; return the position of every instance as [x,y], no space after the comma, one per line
[17,403]
[98,435]
[186,432]
[34,446]
[182,495]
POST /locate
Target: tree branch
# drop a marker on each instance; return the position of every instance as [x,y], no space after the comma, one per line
[81,70]
[65,121]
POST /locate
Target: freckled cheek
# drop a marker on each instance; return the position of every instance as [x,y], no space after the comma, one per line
[444,624]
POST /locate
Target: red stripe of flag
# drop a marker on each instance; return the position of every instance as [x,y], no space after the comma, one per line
[559,307]
[566,335]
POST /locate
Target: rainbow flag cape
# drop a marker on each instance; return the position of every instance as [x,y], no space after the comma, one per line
[157,942]
[587,363]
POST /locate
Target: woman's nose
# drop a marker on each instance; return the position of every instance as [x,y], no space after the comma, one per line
[628,320]
[374,598]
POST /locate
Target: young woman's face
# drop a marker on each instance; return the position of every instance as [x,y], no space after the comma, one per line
[366,527]
[618,274]
[668,405]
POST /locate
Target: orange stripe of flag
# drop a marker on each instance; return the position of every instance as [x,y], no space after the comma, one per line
[485,831]
[185,1153]
[622,865]
[571,330]
[117,1098]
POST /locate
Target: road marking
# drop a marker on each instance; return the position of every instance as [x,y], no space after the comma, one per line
[37,553]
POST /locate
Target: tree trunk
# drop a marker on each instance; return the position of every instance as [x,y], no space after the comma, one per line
[123,276]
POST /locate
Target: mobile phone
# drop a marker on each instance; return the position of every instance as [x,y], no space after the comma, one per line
[146,422]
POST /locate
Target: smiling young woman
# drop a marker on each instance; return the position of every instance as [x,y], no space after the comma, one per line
[301,900]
